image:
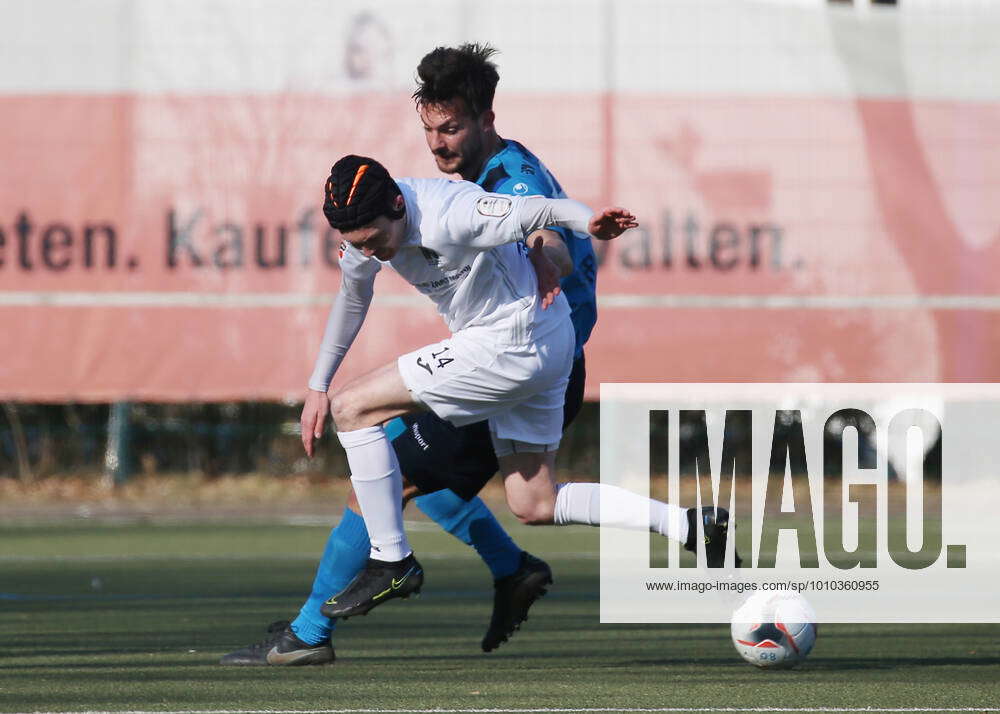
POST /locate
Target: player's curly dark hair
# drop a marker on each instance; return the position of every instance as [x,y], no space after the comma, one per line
[464,72]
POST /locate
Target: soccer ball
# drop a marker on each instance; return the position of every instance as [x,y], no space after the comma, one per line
[774,629]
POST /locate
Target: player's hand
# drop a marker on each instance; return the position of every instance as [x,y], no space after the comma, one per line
[547,272]
[611,223]
[313,419]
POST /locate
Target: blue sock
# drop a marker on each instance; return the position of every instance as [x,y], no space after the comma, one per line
[345,554]
[473,524]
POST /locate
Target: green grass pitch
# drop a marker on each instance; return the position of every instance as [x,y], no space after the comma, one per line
[133,617]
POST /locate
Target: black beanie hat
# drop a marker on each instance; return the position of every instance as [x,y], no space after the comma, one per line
[358,191]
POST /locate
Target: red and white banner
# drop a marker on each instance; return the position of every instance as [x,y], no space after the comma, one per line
[817,187]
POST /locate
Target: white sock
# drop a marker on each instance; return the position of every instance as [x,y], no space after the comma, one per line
[581,503]
[378,485]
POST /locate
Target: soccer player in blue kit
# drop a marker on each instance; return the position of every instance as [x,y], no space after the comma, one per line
[449,465]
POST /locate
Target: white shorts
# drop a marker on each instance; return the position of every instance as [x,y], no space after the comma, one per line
[520,390]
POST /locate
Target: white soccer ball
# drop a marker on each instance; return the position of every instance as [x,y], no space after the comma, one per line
[774,629]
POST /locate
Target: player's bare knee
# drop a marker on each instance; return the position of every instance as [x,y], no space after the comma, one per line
[346,410]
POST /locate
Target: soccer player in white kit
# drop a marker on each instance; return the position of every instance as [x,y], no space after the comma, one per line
[507,360]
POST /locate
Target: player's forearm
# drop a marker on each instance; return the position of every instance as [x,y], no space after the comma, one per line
[535,212]
[342,326]
[555,250]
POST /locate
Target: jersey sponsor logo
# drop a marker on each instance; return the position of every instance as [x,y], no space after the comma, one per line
[430,286]
[520,188]
[493,206]
[342,250]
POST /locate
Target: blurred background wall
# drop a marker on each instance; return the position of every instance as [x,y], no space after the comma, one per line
[818,186]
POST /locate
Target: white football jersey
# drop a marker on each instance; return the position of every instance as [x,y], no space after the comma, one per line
[459,250]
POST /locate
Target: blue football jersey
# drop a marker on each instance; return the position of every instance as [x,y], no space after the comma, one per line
[516,171]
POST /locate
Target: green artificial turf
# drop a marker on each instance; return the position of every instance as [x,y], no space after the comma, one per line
[134,617]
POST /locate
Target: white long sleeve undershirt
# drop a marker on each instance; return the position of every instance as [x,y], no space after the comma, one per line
[342,326]
[538,212]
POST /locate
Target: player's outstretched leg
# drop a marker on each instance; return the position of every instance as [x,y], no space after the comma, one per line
[536,500]
[519,577]
[281,647]
[581,503]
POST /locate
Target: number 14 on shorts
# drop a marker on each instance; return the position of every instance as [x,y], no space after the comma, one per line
[442,360]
